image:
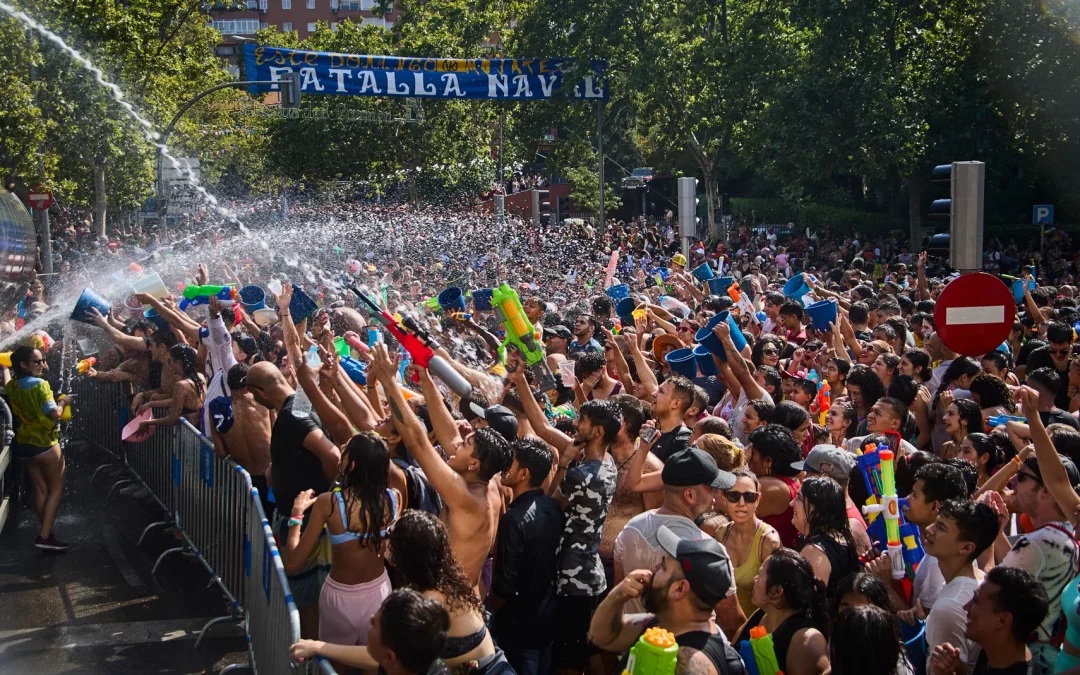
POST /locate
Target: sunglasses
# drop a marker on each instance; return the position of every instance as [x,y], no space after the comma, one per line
[1061,352]
[770,352]
[685,329]
[1021,476]
[734,496]
[36,361]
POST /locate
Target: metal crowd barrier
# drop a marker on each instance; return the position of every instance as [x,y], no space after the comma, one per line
[218,519]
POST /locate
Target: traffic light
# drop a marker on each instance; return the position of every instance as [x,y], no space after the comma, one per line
[290,90]
[963,209]
[688,202]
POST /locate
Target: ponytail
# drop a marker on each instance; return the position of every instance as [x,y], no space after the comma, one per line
[803,592]
[819,606]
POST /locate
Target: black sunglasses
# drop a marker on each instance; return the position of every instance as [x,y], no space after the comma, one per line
[734,496]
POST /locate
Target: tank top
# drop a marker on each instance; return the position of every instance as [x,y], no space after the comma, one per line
[781,636]
[1070,599]
[842,559]
[782,521]
[745,573]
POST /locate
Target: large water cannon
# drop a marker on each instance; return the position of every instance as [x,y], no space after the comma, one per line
[521,333]
[18,249]
[200,295]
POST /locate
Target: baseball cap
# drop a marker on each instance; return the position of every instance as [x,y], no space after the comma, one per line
[1032,465]
[678,259]
[558,331]
[695,467]
[704,563]
[831,460]
[498,418]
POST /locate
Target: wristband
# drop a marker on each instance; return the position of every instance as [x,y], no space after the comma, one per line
[1016,460]
[293,522]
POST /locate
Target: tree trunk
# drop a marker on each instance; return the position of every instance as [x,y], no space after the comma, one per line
[711,193]
[98,169]
[914,213]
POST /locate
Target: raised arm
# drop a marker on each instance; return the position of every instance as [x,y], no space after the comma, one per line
[537,419]
[635,480]
[445,428]
[924,287]
[1029,303]
[849,337]
[1053,472]
[177,319]
[357,407]
[332,417]
[648,387]
[129,343]
[737,364]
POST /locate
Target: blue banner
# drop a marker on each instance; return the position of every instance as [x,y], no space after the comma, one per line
[359,75]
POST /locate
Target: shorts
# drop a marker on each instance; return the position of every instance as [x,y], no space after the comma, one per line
[306,585]
[345,610]
[572,647]
[28,451]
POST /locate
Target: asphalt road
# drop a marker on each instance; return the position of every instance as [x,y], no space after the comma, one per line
[96,609]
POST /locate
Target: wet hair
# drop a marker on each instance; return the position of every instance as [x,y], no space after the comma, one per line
[961,366]
[776,442]
[424,561]
[365,480]
[868,382]
[163,338]
[728,456]
[684,390]
[477,397]
[1045,377]
[866,639]
[189,366]
[843,367]
[601,304]
[903,388]
[713,425]
[493,452]
[1023,596]
[900,327]
[236,378]
[248,346]
[942,482]
[415,628]
[772,378]
[144,325]
[535,455]
[790,414]
[975,522]
[889,331]
[747,473]
[991,446]
[998,358]
[859,312]
[605,414]
[765,411]
[970,413]
[1066,441]
[20,356]
[826,509]
[891,361]
[791,308]
[850,415]
[992,392]
[807,386]
[589,363]
[803,592]
[1059,333]
[864,584]
[634,413]
[967,470]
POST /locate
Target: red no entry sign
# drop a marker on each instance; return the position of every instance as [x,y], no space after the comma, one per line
[975,314]
[39,198]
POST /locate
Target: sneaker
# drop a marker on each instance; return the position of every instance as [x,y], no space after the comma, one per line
[51,544]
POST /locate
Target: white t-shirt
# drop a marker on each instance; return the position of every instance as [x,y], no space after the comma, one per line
[928,582]
[947,621]
[736,419]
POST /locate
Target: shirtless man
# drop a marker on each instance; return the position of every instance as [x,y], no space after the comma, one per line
[244,432]
[466,481]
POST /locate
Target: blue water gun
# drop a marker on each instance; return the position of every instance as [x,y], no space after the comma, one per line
[869,462]
[200,295]
[998,420]
[354,369]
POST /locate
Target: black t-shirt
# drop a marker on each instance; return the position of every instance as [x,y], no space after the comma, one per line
[1059,417]
[982,667]
[672,441]
[1040,358]
[295,469]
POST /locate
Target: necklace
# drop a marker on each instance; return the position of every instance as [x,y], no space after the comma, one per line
[622,465]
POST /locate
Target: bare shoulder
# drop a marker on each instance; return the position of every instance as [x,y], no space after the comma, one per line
[653,462]
[694,662]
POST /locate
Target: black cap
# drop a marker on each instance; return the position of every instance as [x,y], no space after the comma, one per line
[1032,465]
[498,418]
[704,562]
[559,332]
[695,467]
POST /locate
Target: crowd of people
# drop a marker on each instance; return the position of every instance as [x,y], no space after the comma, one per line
[546,520]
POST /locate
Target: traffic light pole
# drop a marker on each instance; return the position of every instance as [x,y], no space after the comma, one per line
[164,140]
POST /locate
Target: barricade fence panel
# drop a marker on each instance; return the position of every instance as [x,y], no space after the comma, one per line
[218,515]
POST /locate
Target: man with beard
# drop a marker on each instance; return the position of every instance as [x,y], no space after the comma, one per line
[679,594]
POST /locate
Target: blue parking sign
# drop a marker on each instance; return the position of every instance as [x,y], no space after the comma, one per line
[1042,214]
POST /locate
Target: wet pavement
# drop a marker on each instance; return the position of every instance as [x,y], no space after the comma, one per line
[96,609]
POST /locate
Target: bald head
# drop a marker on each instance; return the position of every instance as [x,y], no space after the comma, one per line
[268,385]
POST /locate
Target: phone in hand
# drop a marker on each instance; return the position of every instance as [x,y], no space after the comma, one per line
[649,434]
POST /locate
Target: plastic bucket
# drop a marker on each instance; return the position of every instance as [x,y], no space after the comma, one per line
[796,288]
[452,300]
[88,299]
[1018,289]
[682,362]
[265,317]
[707,338]
[156,319]
[624,309]
[618,292]
[705,361]
[914,636]
[703,272]
[152,285]
[822,314]
[719,285]
[252,298]
[301,306]
[133,304]
[481,299]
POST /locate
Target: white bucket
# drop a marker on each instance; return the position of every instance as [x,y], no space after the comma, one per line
[152,285]
[265,317]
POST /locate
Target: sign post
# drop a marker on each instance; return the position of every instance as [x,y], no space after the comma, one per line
[975,314]
[1042,215]
[40,200]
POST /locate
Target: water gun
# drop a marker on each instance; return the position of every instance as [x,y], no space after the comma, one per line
[758,653]
[520,331]
[5,359]
[86,364]
[200,295]
[655,653]
[901,538]
[823,400]
[354,369]
[419,345]
[461,316]
[354,341]
[998,420]
[65,415]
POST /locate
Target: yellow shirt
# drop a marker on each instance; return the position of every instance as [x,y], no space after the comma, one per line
[32,402]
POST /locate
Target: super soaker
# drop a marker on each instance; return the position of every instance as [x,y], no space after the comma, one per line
[200,295]
[901,538]
[520,331]
[759,654]
[85,365]
[998,420]
[655,653]
[823,399]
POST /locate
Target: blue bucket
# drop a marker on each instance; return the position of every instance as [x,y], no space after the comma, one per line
[914,637]
[452,300]
[707,338]
[1018,289]
[624,309]
[156,319]
[703,272]
[705,361]
[822,314]
[481,299]
[682,362]
[88,299]
[252,298]
[796,288]
[618,292]
[719,285]
[301,306]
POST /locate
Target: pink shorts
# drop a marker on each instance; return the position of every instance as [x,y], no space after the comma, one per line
[345,610]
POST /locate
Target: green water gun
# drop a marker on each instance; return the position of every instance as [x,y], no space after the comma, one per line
[520,332]
[200,295]
[655,653]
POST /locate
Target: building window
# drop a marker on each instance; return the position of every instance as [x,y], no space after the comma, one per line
[367,5]
[286,4]
[252,4]
[333,25]
[286,26]
[262,5]
[311,4]
[311,28]
[236,26]
[232,70]
[350,5]
[373,21]
[263,25]
[226,50]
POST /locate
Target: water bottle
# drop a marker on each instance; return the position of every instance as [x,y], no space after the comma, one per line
[312,357]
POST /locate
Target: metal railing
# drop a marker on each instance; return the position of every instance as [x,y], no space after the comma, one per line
[218,519]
